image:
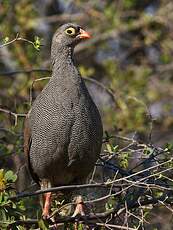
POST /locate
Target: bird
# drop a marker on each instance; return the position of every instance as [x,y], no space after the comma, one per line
[63,129]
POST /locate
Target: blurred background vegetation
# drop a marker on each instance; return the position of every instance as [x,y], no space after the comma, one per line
[129,56]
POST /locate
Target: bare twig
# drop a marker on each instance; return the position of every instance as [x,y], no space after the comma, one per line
[26,71]
[115,226]
[115,182]
[67,219]
[55,189]
[15,115]
[32,86]
[17,38]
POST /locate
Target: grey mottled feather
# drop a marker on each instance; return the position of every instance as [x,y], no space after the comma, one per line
[65,125]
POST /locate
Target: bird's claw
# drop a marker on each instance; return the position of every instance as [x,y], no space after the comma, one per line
[79,210]
[45,215]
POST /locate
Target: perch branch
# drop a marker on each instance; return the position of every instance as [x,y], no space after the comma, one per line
[96,215]
[115,182]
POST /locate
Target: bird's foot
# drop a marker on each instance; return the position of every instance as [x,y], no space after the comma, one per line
[79,211]
[80,208]
[45,215]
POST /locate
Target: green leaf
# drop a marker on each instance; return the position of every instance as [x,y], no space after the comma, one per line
[109,147]
[80,227]
[37,42]
[168,147]
[21,227]
[43,225]
[1,174]
[2,180]
[10,176]
[13,205]
[108,206]
[124,160]
[6,39]
[148,151]
[115,148]
[3,216]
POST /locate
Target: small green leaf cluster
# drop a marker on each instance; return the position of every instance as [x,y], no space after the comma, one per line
[124,160]
[5,40]
[37,43]
[10,211]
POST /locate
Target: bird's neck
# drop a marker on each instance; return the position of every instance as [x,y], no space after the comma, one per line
[63,66]
[61,57]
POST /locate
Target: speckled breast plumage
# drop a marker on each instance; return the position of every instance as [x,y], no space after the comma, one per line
[66,131]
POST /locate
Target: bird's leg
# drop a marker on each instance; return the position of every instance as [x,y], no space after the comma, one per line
[47,199]
[47,205]
[79,210]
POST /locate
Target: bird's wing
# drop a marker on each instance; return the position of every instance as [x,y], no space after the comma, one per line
[27,145]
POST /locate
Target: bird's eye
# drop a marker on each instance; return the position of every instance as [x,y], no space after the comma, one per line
[70,31]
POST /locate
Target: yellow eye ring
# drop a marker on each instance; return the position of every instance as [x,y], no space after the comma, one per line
[70,31]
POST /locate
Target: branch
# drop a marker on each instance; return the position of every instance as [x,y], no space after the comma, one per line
[16,115]
[109,91]
[27,71]
[115,226]
[60,188]
[95,216]
[67,219]
[148,202]
[32,86]
[11,73]
[17,38]
[106,184]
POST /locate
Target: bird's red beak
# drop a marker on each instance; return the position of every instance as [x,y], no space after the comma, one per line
[83,34]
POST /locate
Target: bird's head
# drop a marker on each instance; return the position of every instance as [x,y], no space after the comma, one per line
[69,35]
